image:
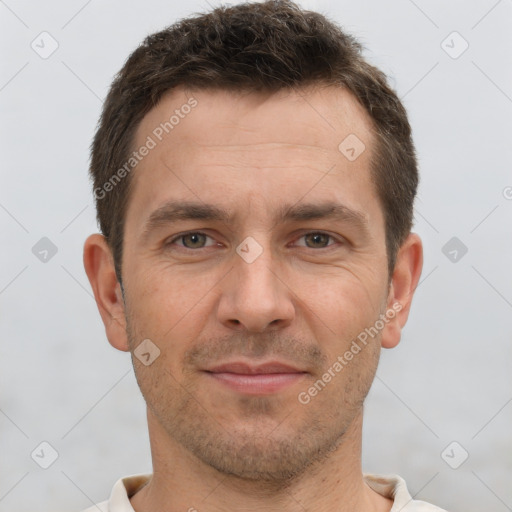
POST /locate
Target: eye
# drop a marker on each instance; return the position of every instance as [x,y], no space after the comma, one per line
[316,240]
[192,240]
[198,240]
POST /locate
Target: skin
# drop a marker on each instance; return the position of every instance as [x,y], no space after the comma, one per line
[302,301]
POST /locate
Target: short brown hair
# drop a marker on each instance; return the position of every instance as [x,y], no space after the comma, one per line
[266,47]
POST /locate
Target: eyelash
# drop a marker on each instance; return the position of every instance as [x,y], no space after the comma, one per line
[182,235]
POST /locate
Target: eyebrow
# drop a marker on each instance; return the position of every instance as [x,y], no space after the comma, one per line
[173,211]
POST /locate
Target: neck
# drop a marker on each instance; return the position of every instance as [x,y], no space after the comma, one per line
[181,482]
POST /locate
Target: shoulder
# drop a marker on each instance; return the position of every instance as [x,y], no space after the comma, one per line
[122,491]
[394,487]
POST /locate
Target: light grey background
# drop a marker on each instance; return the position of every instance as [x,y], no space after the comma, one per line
[449,379]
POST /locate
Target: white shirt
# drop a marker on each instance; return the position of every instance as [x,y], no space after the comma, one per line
[389,486]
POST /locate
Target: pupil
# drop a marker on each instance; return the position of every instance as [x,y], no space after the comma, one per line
[317,238]
[194,238]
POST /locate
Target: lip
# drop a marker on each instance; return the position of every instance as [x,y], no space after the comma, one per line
[261,379]
[243,368]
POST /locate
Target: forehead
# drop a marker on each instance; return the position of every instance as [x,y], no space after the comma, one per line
[314,116]
[205,142]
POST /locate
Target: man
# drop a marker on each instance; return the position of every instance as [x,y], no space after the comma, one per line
[254,180]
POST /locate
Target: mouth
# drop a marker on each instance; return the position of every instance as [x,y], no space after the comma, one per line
[249,379]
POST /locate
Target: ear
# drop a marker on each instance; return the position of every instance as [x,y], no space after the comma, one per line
[99,266]
[406,274]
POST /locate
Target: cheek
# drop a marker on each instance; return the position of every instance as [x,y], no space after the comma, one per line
[340,391]
[165,296]
[341,303]
[170,309]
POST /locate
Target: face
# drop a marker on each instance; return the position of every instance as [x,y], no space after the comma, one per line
[254,256]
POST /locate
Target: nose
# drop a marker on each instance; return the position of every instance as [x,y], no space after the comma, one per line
[255,296]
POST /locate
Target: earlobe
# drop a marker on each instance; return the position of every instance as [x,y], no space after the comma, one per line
[406,275]
[99,266]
